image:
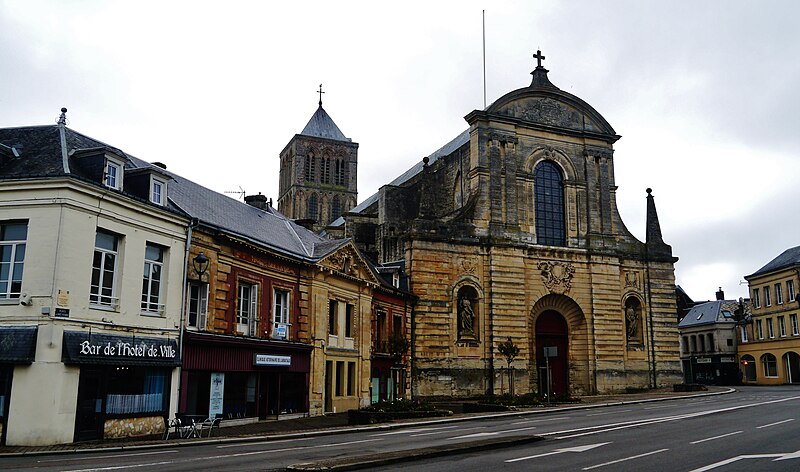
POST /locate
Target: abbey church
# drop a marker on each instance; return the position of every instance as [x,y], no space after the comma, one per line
[510,231]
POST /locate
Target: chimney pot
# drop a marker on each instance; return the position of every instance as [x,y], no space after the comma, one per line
[720,294]
[259,201]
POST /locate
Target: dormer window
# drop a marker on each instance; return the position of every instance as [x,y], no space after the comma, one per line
[113,175]
[157,191]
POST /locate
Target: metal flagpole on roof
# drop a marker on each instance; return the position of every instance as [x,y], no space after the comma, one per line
[483,17]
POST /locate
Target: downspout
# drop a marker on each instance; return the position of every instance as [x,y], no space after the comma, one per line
[193,223]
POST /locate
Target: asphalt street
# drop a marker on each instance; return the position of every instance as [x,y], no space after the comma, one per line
[755,428]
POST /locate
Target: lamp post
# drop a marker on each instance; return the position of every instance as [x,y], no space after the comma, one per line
[200,264]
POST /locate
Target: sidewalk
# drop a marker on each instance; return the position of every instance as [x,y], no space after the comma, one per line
[334,423]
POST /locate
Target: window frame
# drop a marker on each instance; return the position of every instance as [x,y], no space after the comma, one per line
[118,168]
[778,293]
[769,364]
[782,326]
[756,298]
[333,318]
[201,316]
[794,323]
[767,296]
[790,290]
[18,246]
[96,297]
[744,334]
[759,329]
[349,321]
[247,313]
[770,329]
[549,204]
[281,311]
[154,183]
[153,269]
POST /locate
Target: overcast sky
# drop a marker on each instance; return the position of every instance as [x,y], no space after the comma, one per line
[704,94]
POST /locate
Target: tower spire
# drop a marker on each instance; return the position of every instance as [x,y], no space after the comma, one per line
[656,247]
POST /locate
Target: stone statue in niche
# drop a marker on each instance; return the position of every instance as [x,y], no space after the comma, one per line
[631,322]
[466,319]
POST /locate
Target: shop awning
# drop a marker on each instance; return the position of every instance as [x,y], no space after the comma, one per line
[18,344]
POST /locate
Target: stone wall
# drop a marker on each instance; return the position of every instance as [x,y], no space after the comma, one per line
[132,427]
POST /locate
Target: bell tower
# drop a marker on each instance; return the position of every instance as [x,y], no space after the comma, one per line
[318,172]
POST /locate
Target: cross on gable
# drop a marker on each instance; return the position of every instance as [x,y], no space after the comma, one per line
[539,57]
[320,94]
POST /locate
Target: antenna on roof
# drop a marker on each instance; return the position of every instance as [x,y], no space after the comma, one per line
[483,19]
[239,192]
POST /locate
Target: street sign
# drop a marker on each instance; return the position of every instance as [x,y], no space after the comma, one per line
[551,351]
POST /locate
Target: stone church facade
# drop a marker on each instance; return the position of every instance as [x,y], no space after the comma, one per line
[511,231]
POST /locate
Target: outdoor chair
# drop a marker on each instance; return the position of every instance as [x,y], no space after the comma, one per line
[209,424]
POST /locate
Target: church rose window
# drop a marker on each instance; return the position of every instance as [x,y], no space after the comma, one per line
[549,204]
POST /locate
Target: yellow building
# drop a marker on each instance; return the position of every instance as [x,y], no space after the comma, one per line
[769,343]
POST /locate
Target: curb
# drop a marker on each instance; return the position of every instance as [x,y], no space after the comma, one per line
[347,429]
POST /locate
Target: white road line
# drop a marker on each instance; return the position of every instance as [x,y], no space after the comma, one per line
[734,459]
[625,459]
[775,424]
[65,459]
[657,407]
[541,421]
[261,443]
[219,456]
[409,431]
[609,413]
[458,431]
[715,437]
[492,433]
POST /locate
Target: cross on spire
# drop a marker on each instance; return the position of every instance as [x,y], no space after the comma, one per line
[320,94]
[539,57]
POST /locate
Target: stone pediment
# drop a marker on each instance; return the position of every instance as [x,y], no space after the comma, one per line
[348,261]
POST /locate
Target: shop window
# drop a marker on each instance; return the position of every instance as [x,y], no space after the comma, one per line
[151,283]
[12,244]
[103,289]
[348,321]
[280,314]
[136,390]
[770,365]
[197,305]
[340,378]
[333,317]
[247,309]
[351,379]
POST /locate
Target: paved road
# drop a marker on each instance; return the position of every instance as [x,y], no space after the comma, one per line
[756,428]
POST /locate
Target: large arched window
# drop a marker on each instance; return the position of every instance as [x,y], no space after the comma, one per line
[336,208]
[549,204]
[312,207]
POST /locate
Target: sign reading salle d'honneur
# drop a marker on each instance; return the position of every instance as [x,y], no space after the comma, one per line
[271,359]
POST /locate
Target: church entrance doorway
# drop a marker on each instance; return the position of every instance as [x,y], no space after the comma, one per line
[551,352]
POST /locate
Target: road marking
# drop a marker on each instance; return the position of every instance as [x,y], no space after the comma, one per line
[408,431]
[609,413]
[492,433]
[560,451]
[540,421]
[458,431]
[64,459]
[261,443]
[715,437]
[625,459]
[774,457]
[657,407]
[775,424]
[219,456]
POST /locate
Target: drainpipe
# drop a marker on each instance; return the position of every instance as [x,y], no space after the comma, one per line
[194,223]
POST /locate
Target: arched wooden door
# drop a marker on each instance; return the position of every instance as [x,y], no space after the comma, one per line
[551,332]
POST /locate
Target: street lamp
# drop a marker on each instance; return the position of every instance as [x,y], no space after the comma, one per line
[200,263]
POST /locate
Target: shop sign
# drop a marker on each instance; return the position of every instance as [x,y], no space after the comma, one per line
[107,349]
[727,359]
[217,394]
[704,360]
[272,360]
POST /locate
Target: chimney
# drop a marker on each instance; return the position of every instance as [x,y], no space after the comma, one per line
[720,294]
[259,201]
[160,164]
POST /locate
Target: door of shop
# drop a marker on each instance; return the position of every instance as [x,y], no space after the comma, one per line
[89,416]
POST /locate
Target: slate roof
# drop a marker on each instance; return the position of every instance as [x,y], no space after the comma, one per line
[787,258]
[454,144]
[321,125]
[718,311]
[41,156]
